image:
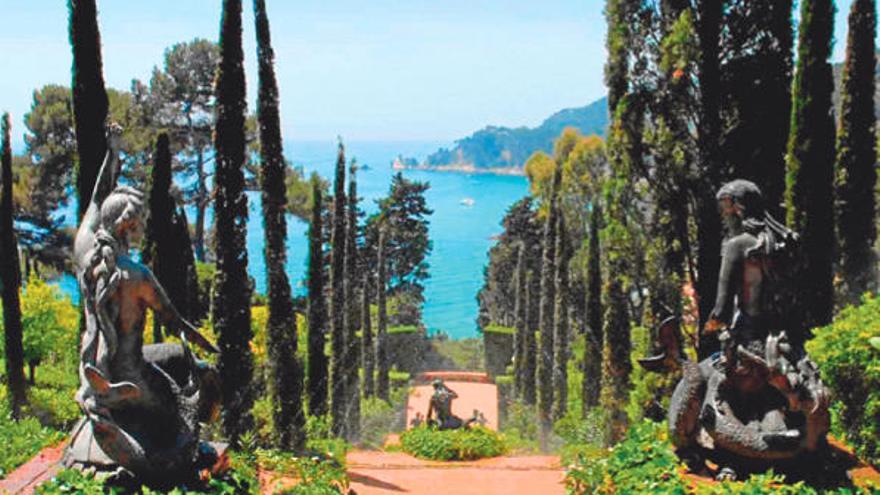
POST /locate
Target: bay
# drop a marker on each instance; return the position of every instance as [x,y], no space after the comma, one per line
[468,209]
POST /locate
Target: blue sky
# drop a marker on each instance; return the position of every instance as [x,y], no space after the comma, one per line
[368,70]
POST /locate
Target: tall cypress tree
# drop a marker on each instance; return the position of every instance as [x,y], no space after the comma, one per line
[561,317]
[709,14]
[352,347]
[530,345]
[810,160]
[756,93]
[318,366]
[857,154]
[382,366]
[519,348]
[337,299]
[231,309]
[10,271]
[593,340]
[162,240]
[89,96]
[368,350]
[548,306]
[284,367]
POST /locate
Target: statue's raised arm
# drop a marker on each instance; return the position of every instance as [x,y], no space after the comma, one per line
[104,185]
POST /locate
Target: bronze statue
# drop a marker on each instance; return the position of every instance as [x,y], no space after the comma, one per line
[759,402]
[441,404]
[142,404]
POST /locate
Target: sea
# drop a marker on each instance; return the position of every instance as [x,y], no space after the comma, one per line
[468,209]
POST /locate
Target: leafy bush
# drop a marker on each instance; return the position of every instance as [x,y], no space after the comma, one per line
[74,481]
[320,438]
[21,440]
[645,462]
[49,321]
[520,427]
[379,418]
[316,476]
[453,445]
[850,366]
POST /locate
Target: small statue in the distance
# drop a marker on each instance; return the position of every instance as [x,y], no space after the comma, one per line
[759,402]
[142,405]
[441,404]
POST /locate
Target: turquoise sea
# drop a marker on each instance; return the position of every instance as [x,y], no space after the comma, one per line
[461,231]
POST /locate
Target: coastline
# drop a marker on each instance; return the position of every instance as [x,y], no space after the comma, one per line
[461,168]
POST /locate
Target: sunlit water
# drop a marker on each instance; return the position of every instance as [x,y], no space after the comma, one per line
[461,231]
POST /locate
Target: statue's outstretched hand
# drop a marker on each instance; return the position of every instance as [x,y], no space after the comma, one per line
[114,136]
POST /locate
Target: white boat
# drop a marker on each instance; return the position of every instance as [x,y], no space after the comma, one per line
[468,202]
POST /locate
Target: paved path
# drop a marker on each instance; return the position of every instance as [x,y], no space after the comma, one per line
[382,473]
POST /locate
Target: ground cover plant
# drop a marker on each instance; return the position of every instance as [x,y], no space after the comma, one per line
[645,462]
[465,444]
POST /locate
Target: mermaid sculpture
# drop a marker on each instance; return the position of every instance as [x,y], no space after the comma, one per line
[759,402]
[142,405]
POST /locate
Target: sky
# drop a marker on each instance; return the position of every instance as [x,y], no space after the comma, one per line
[392,70]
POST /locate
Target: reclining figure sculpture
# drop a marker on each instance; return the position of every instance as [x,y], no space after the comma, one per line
[142,405]
[759,402]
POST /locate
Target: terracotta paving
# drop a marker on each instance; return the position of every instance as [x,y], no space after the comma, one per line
[381,473]
[41,468]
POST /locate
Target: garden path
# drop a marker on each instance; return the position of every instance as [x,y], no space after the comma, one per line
[384,473]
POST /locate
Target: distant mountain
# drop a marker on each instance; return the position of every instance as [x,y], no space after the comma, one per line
[506,148]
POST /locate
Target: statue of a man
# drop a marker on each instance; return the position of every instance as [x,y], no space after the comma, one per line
[141,411]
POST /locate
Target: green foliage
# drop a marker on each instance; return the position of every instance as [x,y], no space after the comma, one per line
[645,462]
[49,322]
[850,366]
[650,393]
[453,445]
[380,417]
[314,475]
[320,438]
[495,328]
[78,482]
[21,439]
[520,427]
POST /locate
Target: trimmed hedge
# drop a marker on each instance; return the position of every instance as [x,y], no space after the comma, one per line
[464,444]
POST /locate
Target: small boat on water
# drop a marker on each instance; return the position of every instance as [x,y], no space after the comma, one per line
[468,202]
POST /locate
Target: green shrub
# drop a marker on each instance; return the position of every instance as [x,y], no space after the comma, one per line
[452,445]
[520,427]
[49,321]
[21,440]
[320,438]
[316,476]
[645,462]
[379,418]
[74,481]
[850,366]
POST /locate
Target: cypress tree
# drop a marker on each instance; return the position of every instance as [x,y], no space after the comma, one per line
[810,161]
[547,308]
[284,368]
[337,301]
[857,154]
[756,93]
[368,350]
[352,347]
[616,356]
[594,340]
[382,384]
[318,366]
[10,271]
[231,309]
[162,242]
[191,306]
[709,14]
[89,96]
[530,345]
[561,310]
[519,347]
